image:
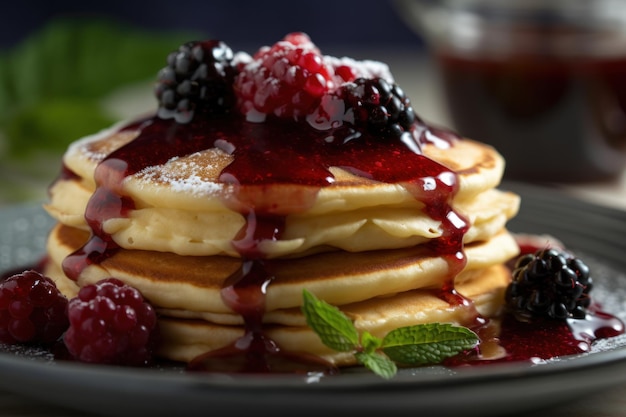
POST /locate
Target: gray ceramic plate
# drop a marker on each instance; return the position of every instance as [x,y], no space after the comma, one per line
[595,233]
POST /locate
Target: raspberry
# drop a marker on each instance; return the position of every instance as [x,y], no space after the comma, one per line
[551,283]
[287,79]
[198,78]
[111,323]
[32,309]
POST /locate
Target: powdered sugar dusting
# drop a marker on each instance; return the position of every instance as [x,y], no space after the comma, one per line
[182,175]
[195,185]
[241,58]
[364,68]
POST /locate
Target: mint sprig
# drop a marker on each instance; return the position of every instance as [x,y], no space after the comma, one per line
[428,344]
[333,327]
[418,345]
[378,363]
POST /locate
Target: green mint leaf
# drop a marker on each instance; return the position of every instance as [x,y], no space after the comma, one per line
[427,344]
[333,327]
[370,343]
[378,363]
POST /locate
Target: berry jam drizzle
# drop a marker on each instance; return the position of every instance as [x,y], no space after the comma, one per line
[537,338]
[274,152]
[244,292]
[508,339]
[107,202]
[67,174]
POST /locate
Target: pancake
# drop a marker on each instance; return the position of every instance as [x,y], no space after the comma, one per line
[366,246]
[176,286]
[353,214]
[221,214]
[194,283]
[185,339]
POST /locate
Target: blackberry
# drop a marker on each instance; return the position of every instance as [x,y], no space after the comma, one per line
[198,77]
[379,106]
[551,283]
[32,309]
[111,323]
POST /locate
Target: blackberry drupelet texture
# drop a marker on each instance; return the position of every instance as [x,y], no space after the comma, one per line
[198,78]
[549,283]
[379,106]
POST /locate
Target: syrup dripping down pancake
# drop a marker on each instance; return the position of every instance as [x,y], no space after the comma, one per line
[179,205]
[221,213]
[382,244]
[192,285]
[185,339]
[380,291]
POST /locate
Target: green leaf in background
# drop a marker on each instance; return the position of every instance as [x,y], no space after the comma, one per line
[38,126]
[51,84]
[427,343]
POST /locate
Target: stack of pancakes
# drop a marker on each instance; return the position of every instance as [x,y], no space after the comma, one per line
[362,246]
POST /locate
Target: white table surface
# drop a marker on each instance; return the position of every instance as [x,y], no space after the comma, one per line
[417,78]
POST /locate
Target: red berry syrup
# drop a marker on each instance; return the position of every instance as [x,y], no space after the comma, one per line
[539,339]
[266,155]
[536,339]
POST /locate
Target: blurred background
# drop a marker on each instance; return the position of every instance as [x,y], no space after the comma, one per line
[542,81]
[240,22]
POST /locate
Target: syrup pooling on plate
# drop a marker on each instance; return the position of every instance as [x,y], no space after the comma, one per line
[507,339]
[517,335]
[259,152]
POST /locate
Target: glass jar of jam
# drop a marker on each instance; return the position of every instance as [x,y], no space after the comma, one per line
[544,82]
